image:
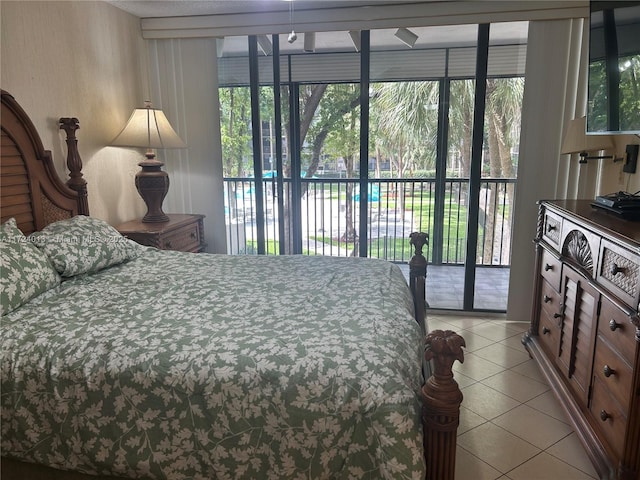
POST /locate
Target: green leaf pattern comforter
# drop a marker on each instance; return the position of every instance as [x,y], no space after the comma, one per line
[197,366]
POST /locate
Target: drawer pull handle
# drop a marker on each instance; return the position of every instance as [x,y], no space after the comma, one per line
[616,269]
[551,228]
[604,416]
[548,267]
[193,234]
[608,371]
[546,299]
[613,325]
[557,315]
[167,244]
[545,330]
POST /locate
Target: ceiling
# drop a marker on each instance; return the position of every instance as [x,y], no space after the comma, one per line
[381,39]
[182,8]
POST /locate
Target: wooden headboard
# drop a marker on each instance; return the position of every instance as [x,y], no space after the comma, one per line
[30,189]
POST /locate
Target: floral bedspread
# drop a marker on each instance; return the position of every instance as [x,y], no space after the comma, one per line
[197,366]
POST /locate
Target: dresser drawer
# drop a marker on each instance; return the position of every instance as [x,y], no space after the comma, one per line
[619,271]
[614,372]
[617,329]
[184,239]
[607,416]
[550,268]
[549,333]
[550,299]
[552,228]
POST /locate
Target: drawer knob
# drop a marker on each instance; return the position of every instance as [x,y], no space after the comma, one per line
[608,371]
[546,299]
[613,325]
[545,330]
[167,244]
[557,315]
[616,269]
[548,267]
[604,416]
[193,234]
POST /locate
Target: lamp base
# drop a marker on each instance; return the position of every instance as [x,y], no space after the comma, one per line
[153,184]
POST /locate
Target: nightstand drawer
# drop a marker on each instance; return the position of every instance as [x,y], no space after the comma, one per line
[185,239]
[182,232]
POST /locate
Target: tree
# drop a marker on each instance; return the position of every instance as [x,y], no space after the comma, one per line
[504,98]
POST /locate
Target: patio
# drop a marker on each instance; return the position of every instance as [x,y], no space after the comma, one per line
[445,287]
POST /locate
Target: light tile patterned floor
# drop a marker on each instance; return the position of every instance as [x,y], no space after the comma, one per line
[511,426]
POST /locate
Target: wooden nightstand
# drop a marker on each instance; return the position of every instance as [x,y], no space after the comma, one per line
[182,232]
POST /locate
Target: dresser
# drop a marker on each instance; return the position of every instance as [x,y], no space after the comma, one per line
[585,327]
[182,232]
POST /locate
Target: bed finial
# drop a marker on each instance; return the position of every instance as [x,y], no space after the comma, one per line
[441,398]
[417,276]
[74,163]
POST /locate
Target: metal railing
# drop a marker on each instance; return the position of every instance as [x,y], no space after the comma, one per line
[396,207]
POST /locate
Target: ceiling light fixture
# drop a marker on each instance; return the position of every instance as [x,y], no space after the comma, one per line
[406,36]
[310,42]
[292,36]
[265,44]
[355,39]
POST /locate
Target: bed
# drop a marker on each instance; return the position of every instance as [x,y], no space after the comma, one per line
[123,361]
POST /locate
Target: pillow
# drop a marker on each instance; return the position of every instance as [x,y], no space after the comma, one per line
[83,244]
[25,271]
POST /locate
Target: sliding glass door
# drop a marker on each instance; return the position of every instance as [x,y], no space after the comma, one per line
[344,153]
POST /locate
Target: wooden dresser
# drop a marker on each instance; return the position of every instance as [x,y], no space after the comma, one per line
[182,232]
[585,328]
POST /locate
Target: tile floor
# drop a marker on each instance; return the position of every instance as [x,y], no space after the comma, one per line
[511,426]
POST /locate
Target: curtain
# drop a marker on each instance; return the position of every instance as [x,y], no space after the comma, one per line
[183,83]
[555,92]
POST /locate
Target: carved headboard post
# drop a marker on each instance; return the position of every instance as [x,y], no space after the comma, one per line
[74,163]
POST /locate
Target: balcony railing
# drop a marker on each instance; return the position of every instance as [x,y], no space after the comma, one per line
[395,209]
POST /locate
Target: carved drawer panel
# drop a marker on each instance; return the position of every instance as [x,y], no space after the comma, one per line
[552,229]
[607,417]
[617,329]
[550,268]
[185,239]
[615,373]
[619,271]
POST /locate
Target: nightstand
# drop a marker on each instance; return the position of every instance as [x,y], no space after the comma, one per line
[182,232]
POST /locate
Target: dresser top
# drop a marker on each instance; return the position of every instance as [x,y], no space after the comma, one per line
[582,211]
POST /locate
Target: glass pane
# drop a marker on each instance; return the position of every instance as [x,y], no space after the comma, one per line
[498,183]
[330,168]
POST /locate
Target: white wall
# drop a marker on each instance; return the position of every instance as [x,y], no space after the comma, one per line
[86,60]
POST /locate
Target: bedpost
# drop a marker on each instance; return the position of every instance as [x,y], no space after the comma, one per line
[441,398]
[74,163]
[417,276]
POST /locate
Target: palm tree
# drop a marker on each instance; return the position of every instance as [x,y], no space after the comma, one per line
[504,99]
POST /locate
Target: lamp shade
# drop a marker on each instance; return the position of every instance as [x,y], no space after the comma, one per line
[149,128]
[577,141]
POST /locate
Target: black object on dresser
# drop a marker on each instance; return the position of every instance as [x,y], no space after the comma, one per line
[182,232]
[585,327]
